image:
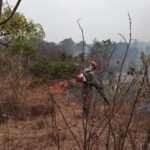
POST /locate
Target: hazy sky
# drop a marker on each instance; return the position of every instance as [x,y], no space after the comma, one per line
[101,19]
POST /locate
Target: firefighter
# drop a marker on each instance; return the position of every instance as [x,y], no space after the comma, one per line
[88,79]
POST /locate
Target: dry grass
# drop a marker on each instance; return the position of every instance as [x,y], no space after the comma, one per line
[29,125]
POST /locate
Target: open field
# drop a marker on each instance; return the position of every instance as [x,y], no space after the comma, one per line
[33,125]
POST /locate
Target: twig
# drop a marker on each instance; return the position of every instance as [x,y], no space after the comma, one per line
[12,13]
[132,112]
[83,41]
[124,59]
[146,145]
[67,124]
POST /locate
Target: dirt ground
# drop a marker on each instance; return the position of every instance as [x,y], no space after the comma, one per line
[32,128]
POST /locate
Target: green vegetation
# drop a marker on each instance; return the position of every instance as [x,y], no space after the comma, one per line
[22,35]
[19,32]
[19,27]
[47,69]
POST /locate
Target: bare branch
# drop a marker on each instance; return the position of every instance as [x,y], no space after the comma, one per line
[83,40]
[147,140]
[66,122]
[123,37]
[132,112]
[12,14]
[124,58]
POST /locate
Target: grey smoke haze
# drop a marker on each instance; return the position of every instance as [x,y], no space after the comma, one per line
[102,19]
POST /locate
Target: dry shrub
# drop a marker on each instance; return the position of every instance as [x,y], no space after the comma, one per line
[38,110]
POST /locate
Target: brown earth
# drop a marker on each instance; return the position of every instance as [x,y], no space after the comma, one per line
[34,130]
